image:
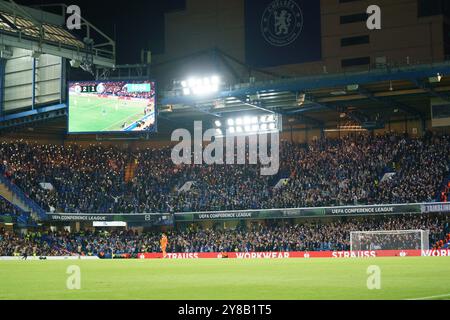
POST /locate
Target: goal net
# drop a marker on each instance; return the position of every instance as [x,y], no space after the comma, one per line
[389,240]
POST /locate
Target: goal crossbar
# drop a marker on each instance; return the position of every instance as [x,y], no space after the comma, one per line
[389,240]
[387,232]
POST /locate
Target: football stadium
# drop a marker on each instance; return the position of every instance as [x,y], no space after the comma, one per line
[225,150]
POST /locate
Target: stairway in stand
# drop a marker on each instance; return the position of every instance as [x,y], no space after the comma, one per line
[130,170]
[17,197]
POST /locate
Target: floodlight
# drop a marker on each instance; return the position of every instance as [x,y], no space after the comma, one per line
[202,86]
[215,80]
[75,63]
[435,79]
[247,124]
[271,118]
[192,82]
[231,130]
[218,123]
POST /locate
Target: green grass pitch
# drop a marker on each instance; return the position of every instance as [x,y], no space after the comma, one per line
[292,279]
[94,114]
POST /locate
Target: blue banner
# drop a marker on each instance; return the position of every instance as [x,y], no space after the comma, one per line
[280,32]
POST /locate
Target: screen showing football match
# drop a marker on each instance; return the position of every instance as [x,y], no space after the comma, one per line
[112,107]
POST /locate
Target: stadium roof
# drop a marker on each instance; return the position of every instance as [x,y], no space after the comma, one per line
[365,97]
[25,27]
[37,30]
[368,98]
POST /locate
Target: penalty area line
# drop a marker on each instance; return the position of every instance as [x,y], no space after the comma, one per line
[432,297]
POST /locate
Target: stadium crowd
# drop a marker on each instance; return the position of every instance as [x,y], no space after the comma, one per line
[327,172]
[310,236]
[445,194]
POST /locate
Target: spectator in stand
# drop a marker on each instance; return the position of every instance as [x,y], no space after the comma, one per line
[327,172]
[445,194]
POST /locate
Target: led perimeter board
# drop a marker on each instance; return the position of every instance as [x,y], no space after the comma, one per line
[112,107]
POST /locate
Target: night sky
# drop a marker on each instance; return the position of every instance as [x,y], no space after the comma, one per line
[136,24]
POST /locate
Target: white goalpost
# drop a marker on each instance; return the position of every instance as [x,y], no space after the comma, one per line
[390,240]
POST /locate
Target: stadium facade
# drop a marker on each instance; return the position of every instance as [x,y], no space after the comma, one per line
[413,32]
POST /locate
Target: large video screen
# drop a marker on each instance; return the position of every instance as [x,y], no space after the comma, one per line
[112,107]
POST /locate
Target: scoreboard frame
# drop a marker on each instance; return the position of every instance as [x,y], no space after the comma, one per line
[132,134]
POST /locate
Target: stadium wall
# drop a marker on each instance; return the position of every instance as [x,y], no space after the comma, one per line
[413,38]
[23,72]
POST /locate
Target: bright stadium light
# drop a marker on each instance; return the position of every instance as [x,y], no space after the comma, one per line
[215,80]
[251,124]
[201,86]
[192,82]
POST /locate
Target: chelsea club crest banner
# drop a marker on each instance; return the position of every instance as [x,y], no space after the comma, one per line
[280,32]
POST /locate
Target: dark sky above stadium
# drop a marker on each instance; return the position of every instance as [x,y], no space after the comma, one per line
[136,24]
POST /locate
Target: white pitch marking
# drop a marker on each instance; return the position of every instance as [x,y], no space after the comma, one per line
[432,297]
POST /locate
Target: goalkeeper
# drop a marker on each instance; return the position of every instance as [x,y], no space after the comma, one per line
[164,242]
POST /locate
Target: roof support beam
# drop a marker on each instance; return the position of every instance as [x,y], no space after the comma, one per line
[254,104]
[2,85]
[311,120]
[335,108]
[391,103]
[328,81]
[33,116]
[426,86]
[205,110]
[310,107]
